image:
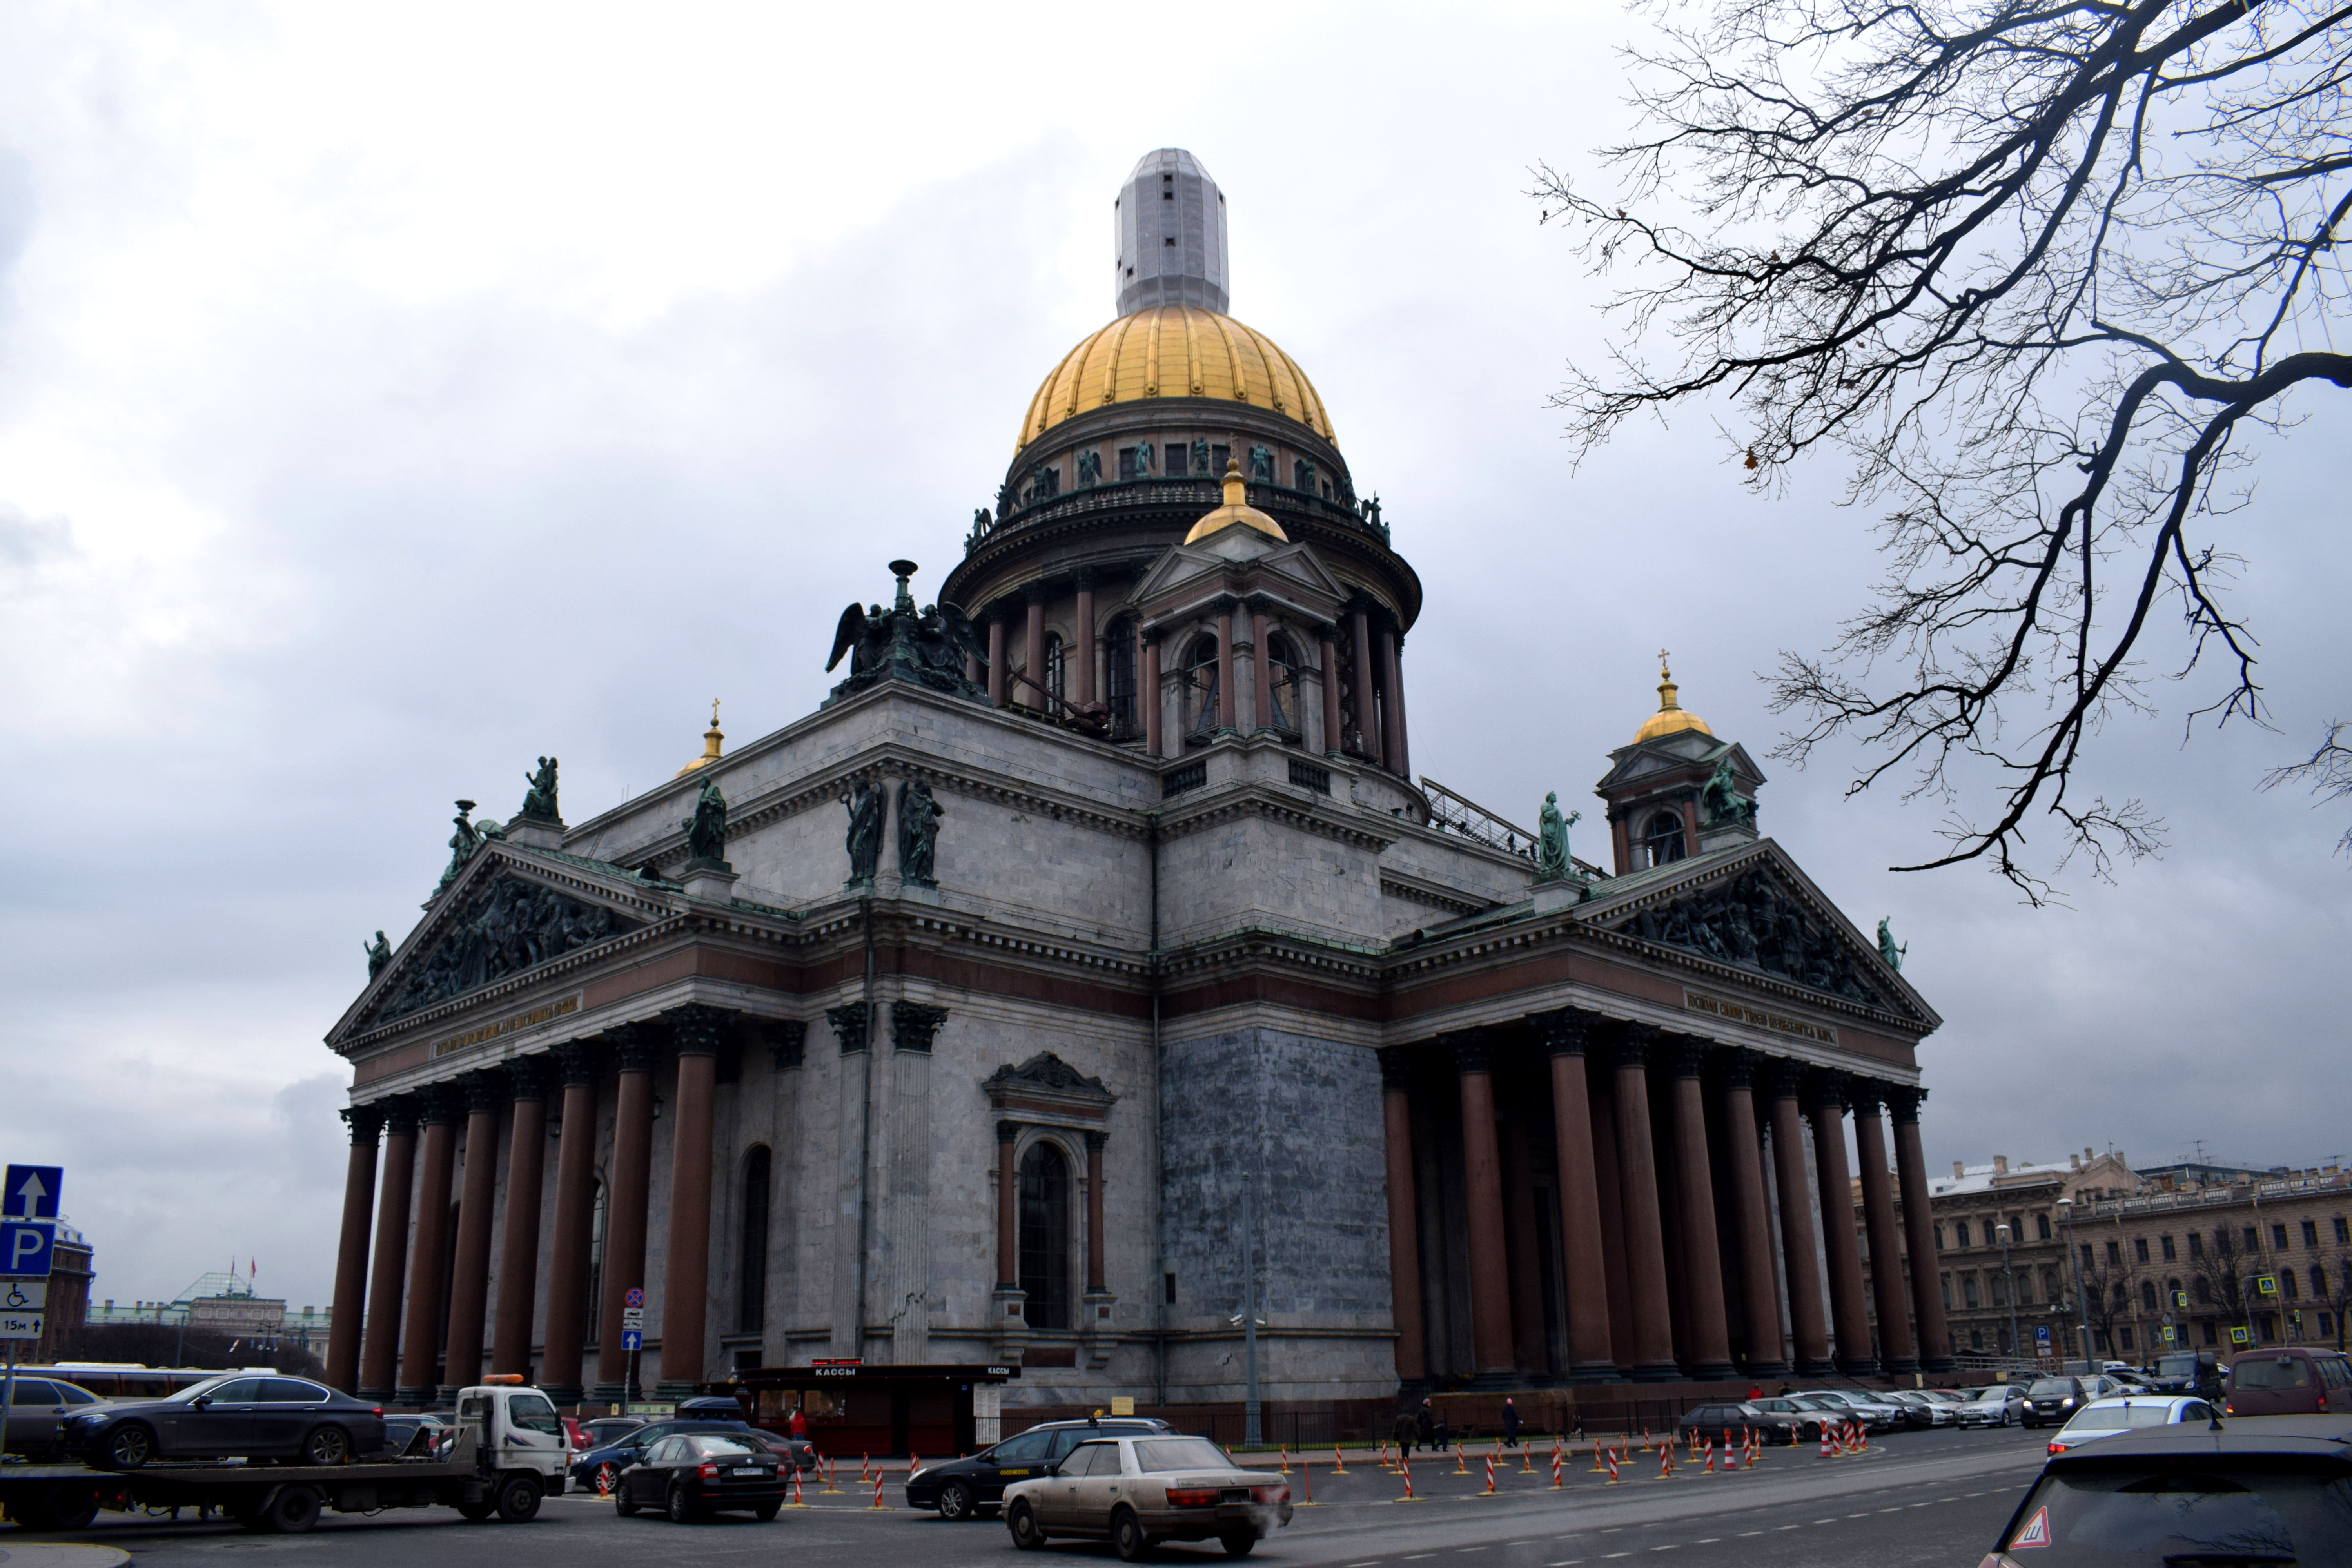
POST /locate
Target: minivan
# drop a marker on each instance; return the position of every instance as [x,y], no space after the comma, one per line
[2289,1381]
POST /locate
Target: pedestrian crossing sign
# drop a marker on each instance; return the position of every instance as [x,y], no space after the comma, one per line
[2036,1533]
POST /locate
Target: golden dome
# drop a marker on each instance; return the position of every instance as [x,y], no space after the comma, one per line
[1174,350]
[1236,512]
[711,739]
[1670,715]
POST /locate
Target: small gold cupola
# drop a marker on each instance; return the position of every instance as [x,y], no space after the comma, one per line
[1236,510]
[712,738]
[1671,716]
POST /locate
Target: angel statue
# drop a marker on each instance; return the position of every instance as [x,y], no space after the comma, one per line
[1886,948]
[1553,862]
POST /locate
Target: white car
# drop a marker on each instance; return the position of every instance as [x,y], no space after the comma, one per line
[1875,1415]
[1999,1405]
[1136,1492]
[2105,1417]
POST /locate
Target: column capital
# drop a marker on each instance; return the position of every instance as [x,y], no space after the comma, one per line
[578,1060]
[438,1102]
[1008,1131]
[913,1026]
[698,1030]
[1095,1141]
[1564,1032]
[638,1045]
[1034,592]
[848,1027]
[1902,1100]
[365,1121]
[1396,1068]
[1783,1077]
[1083,578]
[527,1078]
[399,1116]
[1630,1045]
[1864,1095]
[485,1091]
[1473,1049]
[1738,1066]
[1828,1089]
[1687,1054]
[786,1039]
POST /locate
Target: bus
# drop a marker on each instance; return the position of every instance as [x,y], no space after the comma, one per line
[128,1380]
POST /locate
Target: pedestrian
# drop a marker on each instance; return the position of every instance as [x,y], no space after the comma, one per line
[1444,1437]
[1755,1391]
[799,1423]
[1425,1423]
[1403,1430]
[1510,1423]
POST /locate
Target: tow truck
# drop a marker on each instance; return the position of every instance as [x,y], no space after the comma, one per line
[493,1464]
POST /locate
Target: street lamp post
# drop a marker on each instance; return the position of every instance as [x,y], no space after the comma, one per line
[2009,1287]
[2082,1303]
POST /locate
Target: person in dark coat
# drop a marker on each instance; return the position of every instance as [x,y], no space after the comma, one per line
[1425,1420]
[1403,1430]
[1445,1436]
[1510,1423]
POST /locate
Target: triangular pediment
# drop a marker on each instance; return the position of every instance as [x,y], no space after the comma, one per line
[1752,908]
[1683,749]
[1304,575]
[497,921]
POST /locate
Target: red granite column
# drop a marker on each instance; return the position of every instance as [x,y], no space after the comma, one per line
[420,1340]
[686,1273]
[1262,673]
[1896,1354]
[1766,1355]
[1645,1245]
[352,1250]
[1392,752]
[1330,696]
[519,1237]
[1084,652]
[1582,1262]
[1404,1219]
[1490,1275]
[1919,1223]
[1848,1314]
[1710,1346]
[625,1198]
[1368,713]
[996,661]
[1225,708]
[1097,1274]
[1610,1189]
[1008,1208]
[575,1217]
[470,1290]
[380,1345]
[1147,694]
[1800,1265]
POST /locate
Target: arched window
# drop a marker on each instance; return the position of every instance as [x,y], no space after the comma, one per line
[1045,1236]
[1663,840]
[2287,1279]
[751,1256]
[1201,686]
[1282,670]
[596,1264]
[1118,679]
[2148,1295]
[1055,665]
[2318,1283]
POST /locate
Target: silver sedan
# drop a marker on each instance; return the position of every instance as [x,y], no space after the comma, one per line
[1137,1491]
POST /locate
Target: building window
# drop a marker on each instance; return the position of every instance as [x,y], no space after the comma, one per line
[2327,1325]
[2164,1243]
[2148,1295]
[1044,1233]
[1302,474]
[1219,458]
[2202,1291]
[2287,1283]
[2042,1226]
[1055,666]
[2124,1338]
[2025,1287]
[2343,1233]
[1178,464]
[2090,1259]
[1282,672]
[1960,1232]
[2318,1283]
[596,1264]
[2115,1256]
[1948,1292]
[2139,1249]
[1664,841]
[751,1250]
[2049,1285]
[1968,1290]
[1118,671]
[2311,1233]
[1975,1338]
[2212,1334]
[2253,1240]
[1135,462]
[1940,1239]
[2278,1237]
[2196,1244]
[1201,686]
[2000,1290]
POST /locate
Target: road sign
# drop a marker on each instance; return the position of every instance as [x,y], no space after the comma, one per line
[31,1192]
[633,1315]
[25,1246]
[632,1339]
[634,1296]
[20,1325]
[24,1295]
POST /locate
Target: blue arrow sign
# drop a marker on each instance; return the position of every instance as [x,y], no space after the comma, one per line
[25,1246]
[31,1192]
[632,1339]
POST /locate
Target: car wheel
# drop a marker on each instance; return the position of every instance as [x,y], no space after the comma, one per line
[1238,1542]
[518,1500]
[681,1506]
[293,1510]
[621,1503]
[1021,1522]
[1127,1536]
[957,1503]
[128,1446]
[476,1512]
[327,1445]
[766,1512]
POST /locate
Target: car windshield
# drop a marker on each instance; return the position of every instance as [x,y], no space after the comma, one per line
[2176,1366]
[1180,1454]
[195,1390]
[2051,1388]
[2120,1416]
[2269,1512]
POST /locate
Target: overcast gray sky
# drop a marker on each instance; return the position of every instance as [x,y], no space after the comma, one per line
[389,395]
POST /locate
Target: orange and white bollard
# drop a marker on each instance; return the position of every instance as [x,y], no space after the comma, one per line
[1405,1470]
[1862,1439]
[864,1468]
[1729,1463]
[1825,1439]
[1666,1464]
[1385,1463]
[1285,1458]
[603,1488]
[1555,1482]
[1306,1474]
[1339,1461]
[1613,1470]
[1459,1468]
[877,1502]
[796,1502]
[1490,1477]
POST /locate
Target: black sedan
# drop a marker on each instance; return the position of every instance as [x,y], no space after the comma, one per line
[974,1485]
[241,1415]
[1711,1422]
[599,1468]
[690,1474]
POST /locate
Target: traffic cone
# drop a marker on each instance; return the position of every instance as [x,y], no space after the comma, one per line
[1306,1474]
[1490,1477]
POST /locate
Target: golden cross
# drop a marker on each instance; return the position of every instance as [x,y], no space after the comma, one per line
[714,712]
[1664,673]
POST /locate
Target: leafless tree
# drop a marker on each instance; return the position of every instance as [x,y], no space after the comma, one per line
[2327,772]
[2044,270]
[2108,1301]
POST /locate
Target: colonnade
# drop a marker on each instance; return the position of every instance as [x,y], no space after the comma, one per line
[1666,1227]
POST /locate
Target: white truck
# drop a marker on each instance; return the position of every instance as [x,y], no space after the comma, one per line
[509,1451]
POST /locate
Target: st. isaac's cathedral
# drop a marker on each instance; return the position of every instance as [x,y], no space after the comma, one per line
[1098,915]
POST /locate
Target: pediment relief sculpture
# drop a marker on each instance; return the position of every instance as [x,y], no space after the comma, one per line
[1048,1074]
[1755,922]
[508,926]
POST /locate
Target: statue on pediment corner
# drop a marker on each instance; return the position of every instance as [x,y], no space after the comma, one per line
[539,798]
[462,845]
[1720,802]
[1553,861]
[1892,954]
[379,954]
[706,830]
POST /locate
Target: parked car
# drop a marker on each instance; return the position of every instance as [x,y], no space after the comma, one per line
[36,1417]
[1710,1421]
[973,1486]
[2052,1401]
[1138,1492]
[2186,1371]
[1805,1419]
[2003,1404]
[599,1469]
[1922,1411]
[1876,1415]
[2259,1491]
[605,1429]
[240,1414]
[2290,1381]
[689,1475]
[793,1453]
[2129,1412]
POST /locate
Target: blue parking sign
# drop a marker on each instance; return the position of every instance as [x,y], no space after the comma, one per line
[25,1246]
[31,1192]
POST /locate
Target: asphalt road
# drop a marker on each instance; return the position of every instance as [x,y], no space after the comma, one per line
[1919,1499]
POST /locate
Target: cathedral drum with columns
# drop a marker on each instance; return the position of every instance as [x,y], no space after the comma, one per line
[965,1019]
